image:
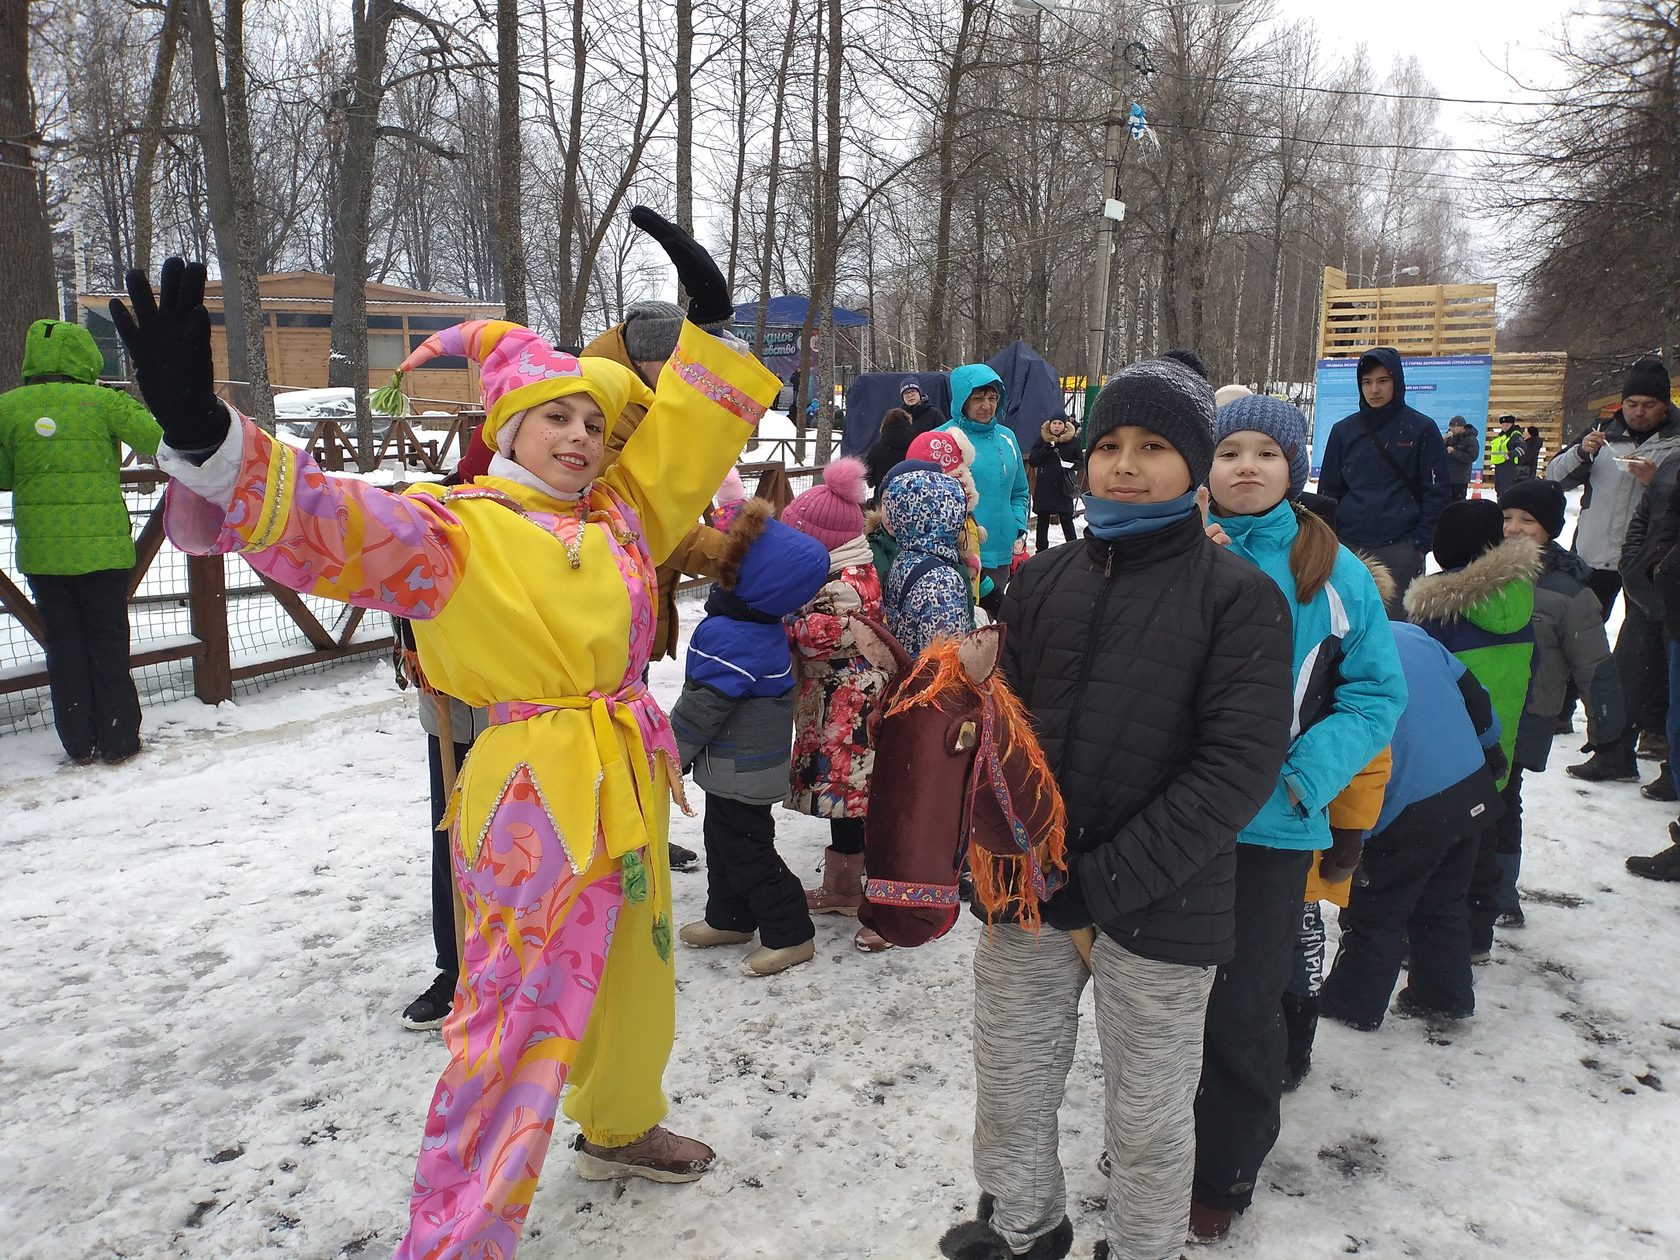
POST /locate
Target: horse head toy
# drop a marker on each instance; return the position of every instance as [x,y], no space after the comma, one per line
[959,778]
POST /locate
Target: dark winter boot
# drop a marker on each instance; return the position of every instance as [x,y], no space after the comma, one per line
[1652,746]
[977,1240]
[1300,1020]
[1660,788]
[1663,866]
[1606,765]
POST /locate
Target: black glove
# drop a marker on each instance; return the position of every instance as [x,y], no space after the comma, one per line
[709,301]
[1341,859]
[1067,911]
[1494,758]
[168,341]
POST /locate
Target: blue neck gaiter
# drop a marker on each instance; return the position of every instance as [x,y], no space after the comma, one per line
[1109,519]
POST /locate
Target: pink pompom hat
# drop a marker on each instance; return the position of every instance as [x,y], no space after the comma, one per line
[832,511]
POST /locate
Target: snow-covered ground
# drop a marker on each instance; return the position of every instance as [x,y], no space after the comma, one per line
[211,945]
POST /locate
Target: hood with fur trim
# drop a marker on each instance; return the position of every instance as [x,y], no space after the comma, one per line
[1072,434]
[1494,592]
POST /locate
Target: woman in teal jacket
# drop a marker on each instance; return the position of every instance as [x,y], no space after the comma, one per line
[1000,476]
[1349,692]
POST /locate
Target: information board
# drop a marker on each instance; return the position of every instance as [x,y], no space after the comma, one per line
[1441,387]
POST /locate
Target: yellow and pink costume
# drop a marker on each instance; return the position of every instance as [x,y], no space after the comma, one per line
[542,611]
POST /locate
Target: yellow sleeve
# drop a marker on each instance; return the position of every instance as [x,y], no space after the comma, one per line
[708,401]
[1358,806]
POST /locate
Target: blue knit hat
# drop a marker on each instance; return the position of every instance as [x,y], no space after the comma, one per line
[1278,420]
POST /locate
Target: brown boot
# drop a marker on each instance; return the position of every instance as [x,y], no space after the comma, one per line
[1208,1224]
[658,1155]
[842,886]
[870,941]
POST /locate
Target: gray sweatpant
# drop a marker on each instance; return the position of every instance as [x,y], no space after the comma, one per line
[1150,1017]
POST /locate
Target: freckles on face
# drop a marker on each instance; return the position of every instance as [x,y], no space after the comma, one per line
[562,441]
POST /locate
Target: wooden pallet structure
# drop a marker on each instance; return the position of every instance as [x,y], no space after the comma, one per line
[1433,320]
[1417,319]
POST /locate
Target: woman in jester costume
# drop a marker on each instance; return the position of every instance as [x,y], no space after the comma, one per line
[531,592]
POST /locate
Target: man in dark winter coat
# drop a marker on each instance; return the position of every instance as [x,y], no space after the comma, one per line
[925,415]
[1463,448]
[1662,551]
[1616,460]
[1386,466]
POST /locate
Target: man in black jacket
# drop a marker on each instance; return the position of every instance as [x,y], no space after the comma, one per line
[1463,449]
[925,415]
[1386,466]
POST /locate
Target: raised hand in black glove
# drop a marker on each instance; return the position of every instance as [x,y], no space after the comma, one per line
[168,340]
[709,300]
[1067,911]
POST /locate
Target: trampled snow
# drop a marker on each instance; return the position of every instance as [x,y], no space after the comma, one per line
[210,947]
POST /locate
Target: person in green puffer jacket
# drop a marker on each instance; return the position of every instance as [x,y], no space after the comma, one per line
[59,456]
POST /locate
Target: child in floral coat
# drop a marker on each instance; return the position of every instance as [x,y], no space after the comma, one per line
[832,757]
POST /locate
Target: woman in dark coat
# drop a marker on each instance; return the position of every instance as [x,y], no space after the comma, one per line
[1058,457]
[889,449]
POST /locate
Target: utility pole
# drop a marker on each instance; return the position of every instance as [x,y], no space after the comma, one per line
[1113,210]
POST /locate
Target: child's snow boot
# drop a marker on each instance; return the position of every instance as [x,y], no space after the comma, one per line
[765,961]
[702,935]
[1300,1020]
[842,886]
[977,1240]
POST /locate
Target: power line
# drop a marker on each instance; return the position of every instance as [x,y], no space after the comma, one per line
[1345,144]
[1531,102]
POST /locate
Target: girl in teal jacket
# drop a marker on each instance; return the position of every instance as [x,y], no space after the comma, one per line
[1349,693]
[1000,476]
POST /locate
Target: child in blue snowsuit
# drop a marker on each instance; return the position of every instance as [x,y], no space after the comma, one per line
[1417,863]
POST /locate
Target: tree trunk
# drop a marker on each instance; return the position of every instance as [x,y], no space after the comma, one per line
[225,134]
[830,255]
[745,43]
[357,106]
[773,184]
[935,337]
[685,123]
[151,136]
[510,161]
[571,302]
[28,288]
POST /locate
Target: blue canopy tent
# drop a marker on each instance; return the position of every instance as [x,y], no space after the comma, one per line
[784,320]
[1032,394]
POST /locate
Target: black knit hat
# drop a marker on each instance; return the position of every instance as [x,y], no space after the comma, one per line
[1165,397]
[1190,359]
[1648,378]
[1467,529]
[1541,499]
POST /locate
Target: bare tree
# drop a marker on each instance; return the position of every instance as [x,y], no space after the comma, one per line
[510,192]
[27,288]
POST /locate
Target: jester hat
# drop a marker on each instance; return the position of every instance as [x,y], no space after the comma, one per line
[519,370]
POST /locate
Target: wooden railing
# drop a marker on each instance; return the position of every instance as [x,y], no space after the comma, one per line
[208,645]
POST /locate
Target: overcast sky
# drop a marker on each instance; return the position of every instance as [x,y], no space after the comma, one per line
[1462,45]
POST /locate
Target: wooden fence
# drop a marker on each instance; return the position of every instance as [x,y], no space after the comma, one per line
[1417,319]
[208,645]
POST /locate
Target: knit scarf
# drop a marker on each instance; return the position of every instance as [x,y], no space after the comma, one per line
[1111,519]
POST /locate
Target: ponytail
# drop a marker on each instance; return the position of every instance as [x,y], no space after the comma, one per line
[1313,556]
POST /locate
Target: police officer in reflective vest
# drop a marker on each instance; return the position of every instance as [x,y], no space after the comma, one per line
[1505,451]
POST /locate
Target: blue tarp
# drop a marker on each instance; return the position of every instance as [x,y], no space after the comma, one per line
[1032,391]
[1033,395]
[872,395]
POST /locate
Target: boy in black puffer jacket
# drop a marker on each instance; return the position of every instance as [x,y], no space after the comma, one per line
[1157,668]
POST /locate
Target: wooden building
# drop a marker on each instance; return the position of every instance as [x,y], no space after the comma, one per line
[297,313]
[1431,320]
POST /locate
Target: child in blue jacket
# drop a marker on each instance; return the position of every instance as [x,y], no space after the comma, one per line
[734,727]
[1441,796]
[1349,692]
